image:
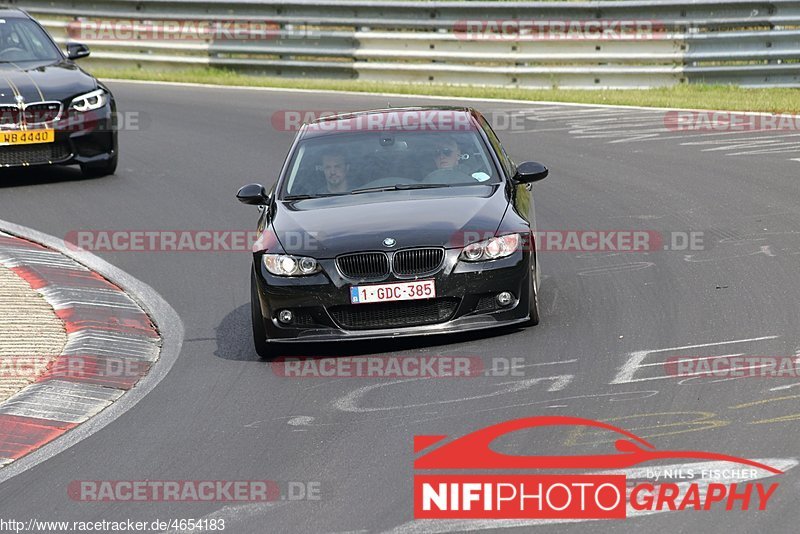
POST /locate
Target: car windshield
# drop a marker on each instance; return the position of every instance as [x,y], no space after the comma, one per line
[366,162]
[24,40]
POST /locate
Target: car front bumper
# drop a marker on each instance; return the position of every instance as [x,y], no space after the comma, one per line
[85,138]
[319,302]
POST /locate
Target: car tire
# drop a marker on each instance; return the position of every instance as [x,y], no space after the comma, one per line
[101,169]
[533,301]
[265,350]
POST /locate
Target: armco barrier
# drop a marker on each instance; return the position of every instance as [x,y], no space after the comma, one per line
[746,42]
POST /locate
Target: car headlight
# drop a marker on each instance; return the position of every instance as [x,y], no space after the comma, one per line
[492,249]
[286,265]
[94,100]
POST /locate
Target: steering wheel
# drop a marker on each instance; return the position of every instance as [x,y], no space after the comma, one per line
[448,176]
[13,49]
[388,181]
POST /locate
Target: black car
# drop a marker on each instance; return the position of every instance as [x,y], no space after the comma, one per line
[51,111]
[394,222]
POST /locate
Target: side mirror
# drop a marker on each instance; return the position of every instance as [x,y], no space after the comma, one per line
[77,50]
[254,194]
[529,172]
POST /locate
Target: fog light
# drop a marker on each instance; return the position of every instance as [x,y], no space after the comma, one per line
[285,316]
[504,298]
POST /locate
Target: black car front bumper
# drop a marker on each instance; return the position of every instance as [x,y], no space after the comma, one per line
[84,138]
[465,301]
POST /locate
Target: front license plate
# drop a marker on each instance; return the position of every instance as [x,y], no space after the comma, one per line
[422,289]
[28,137]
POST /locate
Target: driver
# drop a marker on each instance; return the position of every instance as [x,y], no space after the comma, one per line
[336,169]
[447,154]
[447,158]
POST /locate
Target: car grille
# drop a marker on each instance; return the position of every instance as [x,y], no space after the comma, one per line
[9,115]
[11,156]
[376,264]
[303,317]
[417,261]
[34,113]
[42,112]
[487,303]
[364,265]
[394,314]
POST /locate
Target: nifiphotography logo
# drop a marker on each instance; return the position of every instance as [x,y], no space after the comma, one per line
[492,492]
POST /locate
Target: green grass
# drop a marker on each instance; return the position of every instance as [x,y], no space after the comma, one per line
[681,96]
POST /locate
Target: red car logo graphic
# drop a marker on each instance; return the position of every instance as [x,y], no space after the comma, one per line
[474,451]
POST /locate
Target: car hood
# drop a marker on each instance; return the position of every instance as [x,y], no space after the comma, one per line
[38,81]
[327,227]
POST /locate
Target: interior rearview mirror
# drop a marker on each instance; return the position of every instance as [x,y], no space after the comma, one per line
[254,194]
[530,171]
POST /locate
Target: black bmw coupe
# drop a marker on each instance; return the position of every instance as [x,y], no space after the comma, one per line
[51,111]
[395,222]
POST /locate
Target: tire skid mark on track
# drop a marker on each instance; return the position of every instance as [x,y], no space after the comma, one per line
[614,269]
[640,125]
[611,397]
[350,401]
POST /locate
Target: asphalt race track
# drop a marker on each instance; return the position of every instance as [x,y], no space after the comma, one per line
[220,414]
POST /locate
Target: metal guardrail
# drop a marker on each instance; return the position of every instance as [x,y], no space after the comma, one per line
[746,42]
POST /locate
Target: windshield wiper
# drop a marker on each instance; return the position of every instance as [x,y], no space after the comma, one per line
[396,187]
[306,197]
